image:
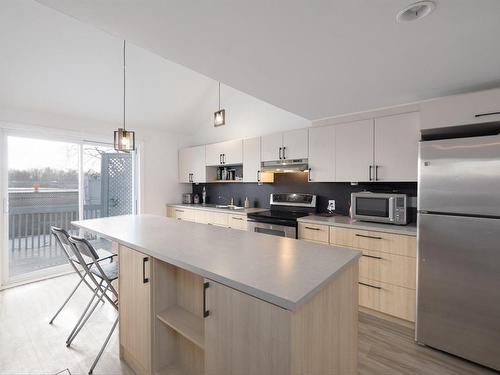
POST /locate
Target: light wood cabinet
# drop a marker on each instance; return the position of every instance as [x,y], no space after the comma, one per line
[288,145]
[387,269]
[224,153]
[192,167]
[354,151]
[181,213]
[314,232]
[322,154]
[135,309]
[237,222]
[396,147]
[464,109]
[245,335]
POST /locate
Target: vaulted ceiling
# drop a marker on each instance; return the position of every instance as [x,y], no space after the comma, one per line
[315,58]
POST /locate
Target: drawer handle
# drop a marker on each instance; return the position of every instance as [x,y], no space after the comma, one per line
[176,210]
[372,256]
[145,279]
[369,285]
[487,114]
[205,311]
[179,218]
[311,228]
[372,237]
[237,218]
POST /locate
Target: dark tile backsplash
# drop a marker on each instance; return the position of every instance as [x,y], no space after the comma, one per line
[297,183]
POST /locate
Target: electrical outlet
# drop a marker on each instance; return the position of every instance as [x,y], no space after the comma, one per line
[331,205]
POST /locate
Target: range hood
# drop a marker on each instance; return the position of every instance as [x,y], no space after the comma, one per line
[284,166]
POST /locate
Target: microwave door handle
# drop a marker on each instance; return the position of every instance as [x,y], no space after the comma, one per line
[391,209]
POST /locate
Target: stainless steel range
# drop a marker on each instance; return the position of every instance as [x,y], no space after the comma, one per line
[281,219]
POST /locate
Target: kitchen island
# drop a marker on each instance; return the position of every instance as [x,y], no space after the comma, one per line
[199,299]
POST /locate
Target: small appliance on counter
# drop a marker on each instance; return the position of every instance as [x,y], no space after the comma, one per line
[196,199]
[281,220]
[390,208]
[187,198]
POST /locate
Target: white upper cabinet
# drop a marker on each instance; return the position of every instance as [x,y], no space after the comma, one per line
[230,152]
[396,147]
[233,152]
[472,108]
[354,151]
[295,144]
[322,154]
[251,159]
[288,145]
[271,146]
[192,165]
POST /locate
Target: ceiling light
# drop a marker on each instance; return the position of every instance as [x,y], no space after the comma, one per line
[220,115]
[416,11]
[124,140]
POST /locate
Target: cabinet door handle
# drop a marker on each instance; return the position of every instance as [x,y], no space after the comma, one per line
[365,236]
[487,114]
[224,158]
[145,279]
[177,210]
[309,175]
[237,218]
[370,172]
[369,285]
[258,176]
[284,149]
[312,228]
[280,153]
[220,158]
[372,256]
[205,311]
[190,177]
[376,173]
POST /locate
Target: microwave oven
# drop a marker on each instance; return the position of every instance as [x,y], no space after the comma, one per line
[382,208]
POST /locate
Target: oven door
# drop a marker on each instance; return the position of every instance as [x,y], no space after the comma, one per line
[272,229]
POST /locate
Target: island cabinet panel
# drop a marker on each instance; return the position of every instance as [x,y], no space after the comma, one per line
[245,335]
[135,309]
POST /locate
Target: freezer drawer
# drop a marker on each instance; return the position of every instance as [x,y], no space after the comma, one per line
[458,304]
[460,176]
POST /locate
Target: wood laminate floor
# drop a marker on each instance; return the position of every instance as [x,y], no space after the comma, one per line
[29,345]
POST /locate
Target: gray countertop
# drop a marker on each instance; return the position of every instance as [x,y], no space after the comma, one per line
[347,222]
[283,271]
[211,207]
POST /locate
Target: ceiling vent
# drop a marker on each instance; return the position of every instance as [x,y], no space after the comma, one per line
[416,11]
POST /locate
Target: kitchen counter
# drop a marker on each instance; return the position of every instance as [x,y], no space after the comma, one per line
[281,271]
[347,222]
[211,207]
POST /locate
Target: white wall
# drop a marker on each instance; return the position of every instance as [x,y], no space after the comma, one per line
[158,159]
[246,116]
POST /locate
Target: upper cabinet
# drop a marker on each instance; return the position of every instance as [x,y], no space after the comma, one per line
[396,147]
[472,108]
[288,145]
[192,165]
[322,154]
[251,160]
[224,153]
[354,151]
[383,149]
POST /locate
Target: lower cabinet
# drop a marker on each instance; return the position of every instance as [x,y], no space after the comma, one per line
[237,222]
[135,309]
[221,219]
[387,269]
[314,232]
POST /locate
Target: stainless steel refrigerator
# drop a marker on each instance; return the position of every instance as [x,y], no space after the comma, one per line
[459,248]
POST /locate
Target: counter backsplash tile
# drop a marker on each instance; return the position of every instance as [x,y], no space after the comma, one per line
[258,195]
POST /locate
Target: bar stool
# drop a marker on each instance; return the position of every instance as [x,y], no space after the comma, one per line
[62,238]
[102,276]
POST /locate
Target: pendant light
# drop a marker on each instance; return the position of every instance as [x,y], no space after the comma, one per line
[124,139]
[220,115]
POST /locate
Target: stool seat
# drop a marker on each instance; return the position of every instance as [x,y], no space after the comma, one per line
[110,270]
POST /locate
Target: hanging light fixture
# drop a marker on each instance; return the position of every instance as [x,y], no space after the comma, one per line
[124,139]
[220,115]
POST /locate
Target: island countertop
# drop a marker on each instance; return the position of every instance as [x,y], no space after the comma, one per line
[282,271]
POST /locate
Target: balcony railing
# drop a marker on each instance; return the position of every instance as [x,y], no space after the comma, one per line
[31,244]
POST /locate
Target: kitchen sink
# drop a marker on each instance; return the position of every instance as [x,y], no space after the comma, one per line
[229,207]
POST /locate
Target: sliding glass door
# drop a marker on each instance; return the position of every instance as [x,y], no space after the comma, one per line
[51,183]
